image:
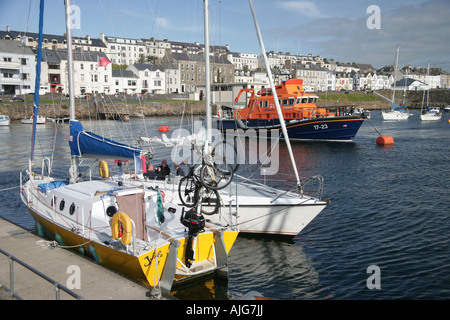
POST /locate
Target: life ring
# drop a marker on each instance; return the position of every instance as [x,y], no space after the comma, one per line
[103,169]
[121,227]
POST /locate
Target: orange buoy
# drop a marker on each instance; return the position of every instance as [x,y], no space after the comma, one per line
[385,140]
[164,129]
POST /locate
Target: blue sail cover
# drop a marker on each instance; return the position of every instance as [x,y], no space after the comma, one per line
[83,143]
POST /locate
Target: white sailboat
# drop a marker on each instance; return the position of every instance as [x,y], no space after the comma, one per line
[430,113]
[262,209]
[396,112]
[125,226]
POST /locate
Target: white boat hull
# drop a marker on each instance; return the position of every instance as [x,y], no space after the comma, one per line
[40,120]
[395,115]
[430,117]
[283,220]
[258,210]
[4,120]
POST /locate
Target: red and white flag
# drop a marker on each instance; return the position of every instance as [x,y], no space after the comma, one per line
[103,61]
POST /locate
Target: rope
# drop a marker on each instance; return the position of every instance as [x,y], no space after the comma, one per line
[9,188]
[47,244]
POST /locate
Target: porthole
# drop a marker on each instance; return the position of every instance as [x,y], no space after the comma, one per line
[61,205]
[111,210]
[72,208]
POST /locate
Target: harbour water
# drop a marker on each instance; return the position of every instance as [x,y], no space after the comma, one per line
[389,212]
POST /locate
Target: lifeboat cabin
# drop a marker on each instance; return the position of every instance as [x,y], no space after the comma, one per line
[294,103]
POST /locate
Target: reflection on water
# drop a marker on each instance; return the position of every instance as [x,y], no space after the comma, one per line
[275,267]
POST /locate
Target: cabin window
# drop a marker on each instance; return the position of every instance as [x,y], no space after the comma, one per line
[291,101]
[285,102]
[266,104]
[260,104]
[299,100]
[61,205]
[305,100]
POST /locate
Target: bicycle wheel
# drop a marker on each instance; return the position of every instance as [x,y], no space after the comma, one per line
[216,176]
[210,202]
[225,152]
[186,191]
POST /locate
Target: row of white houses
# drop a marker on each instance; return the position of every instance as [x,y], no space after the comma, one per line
[179,68]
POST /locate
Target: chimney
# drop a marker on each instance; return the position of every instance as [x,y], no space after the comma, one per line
[8,29]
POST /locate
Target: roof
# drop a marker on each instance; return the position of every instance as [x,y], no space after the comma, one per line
[408,82]
[123,74]
[17,47]
[95,42]
[145,66]
[49,56]
[88,56]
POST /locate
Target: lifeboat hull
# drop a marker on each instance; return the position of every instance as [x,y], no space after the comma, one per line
[342,128]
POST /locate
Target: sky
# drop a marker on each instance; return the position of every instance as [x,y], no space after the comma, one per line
[347,30]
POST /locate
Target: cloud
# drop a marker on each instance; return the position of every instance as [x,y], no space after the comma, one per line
[162,22]
[419,29]
[307,8]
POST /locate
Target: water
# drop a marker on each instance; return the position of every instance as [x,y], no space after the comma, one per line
[389,208]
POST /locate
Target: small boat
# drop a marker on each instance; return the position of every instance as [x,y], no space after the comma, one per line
[430,113]
[304,120]
[361,112]
[39,120]
[4,120]
[396,112]
[59,120]
[447,108]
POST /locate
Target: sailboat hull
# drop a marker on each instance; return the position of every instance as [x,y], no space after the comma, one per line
[114,259]
[256,209]
[430,117]
[151,261]
[283,220]
[395,115]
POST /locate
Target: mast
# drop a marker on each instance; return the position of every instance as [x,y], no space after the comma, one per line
[74,159]
[275,96]
[70,59]
[395,77]
[207,77]
[428,83]
[37,81]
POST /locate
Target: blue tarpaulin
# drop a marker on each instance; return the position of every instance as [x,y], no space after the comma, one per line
[84,143]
